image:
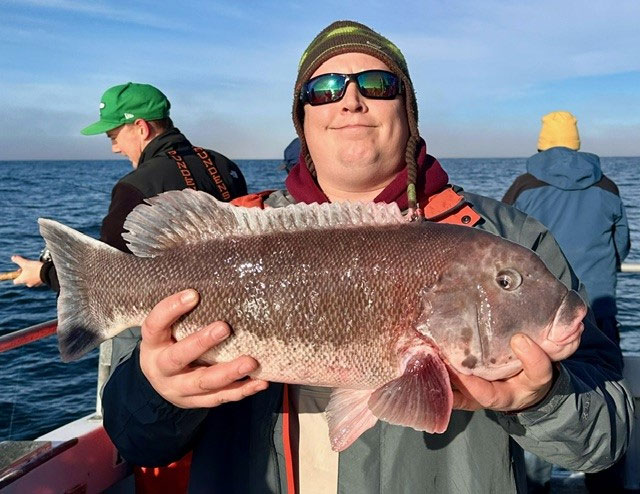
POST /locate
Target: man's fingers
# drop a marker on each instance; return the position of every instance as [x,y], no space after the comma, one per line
[156,326]
[223,374]
[19,260]
[462,402]
[474,392]
[233,392]
[558,352]
[218,376]
[515,393]
[18,280]
[536,364]
[29,271]
[182,353]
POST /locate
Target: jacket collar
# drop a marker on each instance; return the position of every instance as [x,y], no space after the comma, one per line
[162,143]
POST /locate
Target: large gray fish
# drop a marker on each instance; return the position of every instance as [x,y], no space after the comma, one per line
[348,296]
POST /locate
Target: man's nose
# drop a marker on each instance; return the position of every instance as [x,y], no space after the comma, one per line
[352,100]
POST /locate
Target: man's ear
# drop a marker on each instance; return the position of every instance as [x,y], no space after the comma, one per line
[143,129]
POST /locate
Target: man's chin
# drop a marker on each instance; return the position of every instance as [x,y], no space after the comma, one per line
[353,158]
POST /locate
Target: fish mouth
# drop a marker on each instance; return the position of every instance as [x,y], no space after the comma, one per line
[567,325]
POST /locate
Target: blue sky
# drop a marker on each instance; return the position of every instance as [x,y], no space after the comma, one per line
[484,71]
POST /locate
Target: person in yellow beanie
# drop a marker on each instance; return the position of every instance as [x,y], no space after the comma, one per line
[560,189]
[559,129]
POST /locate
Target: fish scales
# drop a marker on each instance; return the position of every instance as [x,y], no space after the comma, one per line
[295,300]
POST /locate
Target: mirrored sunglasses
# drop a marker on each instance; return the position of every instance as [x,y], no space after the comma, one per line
[329,88]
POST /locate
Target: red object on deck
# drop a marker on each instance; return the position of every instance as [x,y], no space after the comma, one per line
[174,478]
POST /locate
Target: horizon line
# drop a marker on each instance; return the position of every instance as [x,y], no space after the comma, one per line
[115,160]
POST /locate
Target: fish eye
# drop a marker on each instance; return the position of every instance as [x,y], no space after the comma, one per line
[509,279]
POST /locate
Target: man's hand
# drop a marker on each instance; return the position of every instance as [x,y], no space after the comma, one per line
[521,391]
[30,274]
[167,364]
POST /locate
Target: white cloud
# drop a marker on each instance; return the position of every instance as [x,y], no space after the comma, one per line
[100,10]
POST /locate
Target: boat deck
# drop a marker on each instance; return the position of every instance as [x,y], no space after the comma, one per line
[44,465]
[36,466]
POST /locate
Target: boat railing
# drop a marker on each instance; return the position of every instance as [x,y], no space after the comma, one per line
[630,267]
[22,337]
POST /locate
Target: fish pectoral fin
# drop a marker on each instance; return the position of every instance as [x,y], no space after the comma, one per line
[421,398]
[348,416]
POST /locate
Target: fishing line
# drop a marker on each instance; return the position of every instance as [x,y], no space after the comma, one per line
[87,187]
[13,408]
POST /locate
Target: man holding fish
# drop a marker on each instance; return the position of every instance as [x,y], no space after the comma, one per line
[446,363]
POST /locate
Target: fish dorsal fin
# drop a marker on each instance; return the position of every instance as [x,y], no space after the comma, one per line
[178,218]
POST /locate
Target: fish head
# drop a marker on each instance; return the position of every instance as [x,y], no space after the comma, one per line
[491,290]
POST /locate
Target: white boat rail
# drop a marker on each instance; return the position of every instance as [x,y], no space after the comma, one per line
[630,267]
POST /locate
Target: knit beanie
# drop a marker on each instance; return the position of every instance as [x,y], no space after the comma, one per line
[349,37]
[559,128]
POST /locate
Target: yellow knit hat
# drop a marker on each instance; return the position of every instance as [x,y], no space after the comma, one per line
[559,128]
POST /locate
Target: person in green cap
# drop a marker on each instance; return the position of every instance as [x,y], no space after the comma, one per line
[135,117]
[356,115]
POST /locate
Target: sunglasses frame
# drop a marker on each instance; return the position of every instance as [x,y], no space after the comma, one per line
[304,93]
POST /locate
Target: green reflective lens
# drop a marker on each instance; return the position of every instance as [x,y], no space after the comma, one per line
[377,84]
[326,88]
[329,88]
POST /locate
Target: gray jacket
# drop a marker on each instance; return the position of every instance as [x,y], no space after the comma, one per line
[583,424]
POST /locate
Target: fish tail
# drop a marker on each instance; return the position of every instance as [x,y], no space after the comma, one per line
[80,327]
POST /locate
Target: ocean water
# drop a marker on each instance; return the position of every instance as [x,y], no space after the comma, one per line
[38,392]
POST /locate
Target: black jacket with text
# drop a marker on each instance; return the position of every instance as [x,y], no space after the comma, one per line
[168,162]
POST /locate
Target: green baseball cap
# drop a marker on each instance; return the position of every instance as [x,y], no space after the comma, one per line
[125,103]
